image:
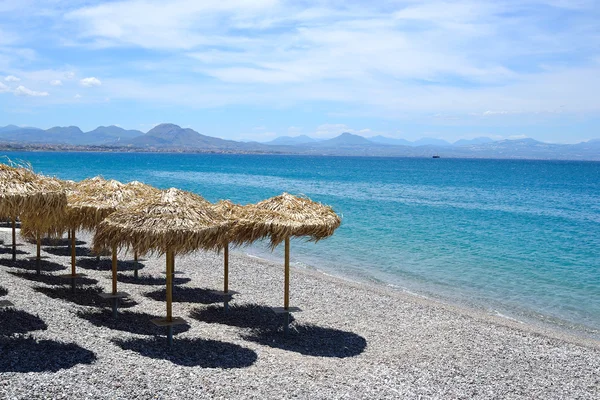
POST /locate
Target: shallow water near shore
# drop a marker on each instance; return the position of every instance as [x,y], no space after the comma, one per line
[514,237]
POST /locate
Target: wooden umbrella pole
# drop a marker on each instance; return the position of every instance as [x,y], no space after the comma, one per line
[170,262]
[72,252]
[172,266]
[38,254]
[114,270]
[73,273]
[226,278]
[226,268]
[14,239]
[286,300]
[135,264]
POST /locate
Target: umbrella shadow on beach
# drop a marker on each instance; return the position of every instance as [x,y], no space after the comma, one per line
[3,291]
[8,250]
[192,352]
[26,354]
[311,340]
[17,321]
[83,296]
[53,280]
[188,295]
[253,316]
[129,321]
[80,251]
[58,242]
[150,280]
[31,265]
[105,264]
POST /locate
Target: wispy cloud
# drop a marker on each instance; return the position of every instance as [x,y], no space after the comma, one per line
[448,62]
[23,91]
[11,78]
[90,82]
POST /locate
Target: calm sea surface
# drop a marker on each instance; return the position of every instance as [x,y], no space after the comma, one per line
[516,238]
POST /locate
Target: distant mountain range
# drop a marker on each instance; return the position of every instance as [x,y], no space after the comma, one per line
[171,137]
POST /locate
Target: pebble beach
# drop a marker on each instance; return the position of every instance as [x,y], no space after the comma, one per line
[351,340]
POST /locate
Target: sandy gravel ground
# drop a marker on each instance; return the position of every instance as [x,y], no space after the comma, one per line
[351,341]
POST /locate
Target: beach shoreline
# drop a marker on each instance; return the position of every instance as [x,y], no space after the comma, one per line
[352,339]
[575,334]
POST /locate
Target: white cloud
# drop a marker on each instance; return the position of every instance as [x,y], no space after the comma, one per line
[69,75]
[90,82]
[491,112]
[4,88]
[77,96]
[56,82]
[12,78]
[183,24]
[23,91]
[377,58]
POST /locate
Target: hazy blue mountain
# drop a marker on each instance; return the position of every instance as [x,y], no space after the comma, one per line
[171,137]
[9,128]
[174,136]
[346,139]
[112,133]
[291,140]
[387,140]
[34,135]
[431,142]
[469,142]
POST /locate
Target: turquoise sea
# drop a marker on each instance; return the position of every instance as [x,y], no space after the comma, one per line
[513,237]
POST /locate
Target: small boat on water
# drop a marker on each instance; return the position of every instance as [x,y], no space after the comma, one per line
[436,156]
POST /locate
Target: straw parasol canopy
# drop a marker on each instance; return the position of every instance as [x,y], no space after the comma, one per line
[36,223]
[294,216]
[94,199]
[23,191]
[174,222]
[171,221]
[141,190]
[248,224]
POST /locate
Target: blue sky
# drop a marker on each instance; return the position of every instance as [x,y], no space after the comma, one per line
[257,69]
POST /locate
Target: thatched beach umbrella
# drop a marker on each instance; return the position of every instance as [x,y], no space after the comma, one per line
[173,223]
[92,201]
[35,223]
[296,217]
[142,191]
[248,224]
[23,191]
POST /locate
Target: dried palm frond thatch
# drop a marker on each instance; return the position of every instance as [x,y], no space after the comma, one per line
[172,221]
[293,216]
[142,190]
[37,223]
[94,199]
[248,223]
[22,190]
